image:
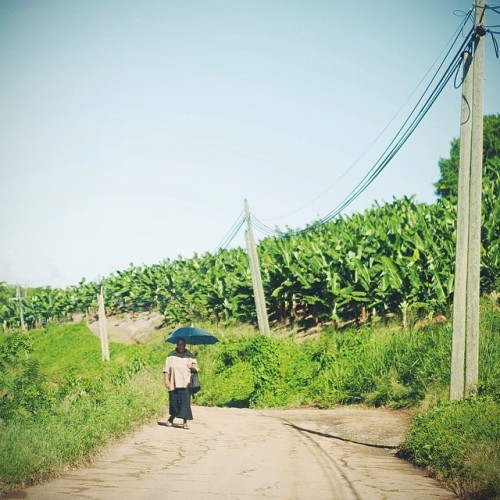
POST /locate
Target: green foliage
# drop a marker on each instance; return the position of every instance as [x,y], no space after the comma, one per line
[60,402]
[73,351]
[459,443]
[447,190]
[378,366]
[23,389]
[396,257]
[44,305]
[264,360]
[14,349]
[339,375]
[392,254]
[447,185]
[33,449]
[226,375]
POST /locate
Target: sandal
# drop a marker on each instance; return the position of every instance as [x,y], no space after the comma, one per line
[185,426]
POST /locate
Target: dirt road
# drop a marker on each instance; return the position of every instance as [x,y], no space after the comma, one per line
[235,454]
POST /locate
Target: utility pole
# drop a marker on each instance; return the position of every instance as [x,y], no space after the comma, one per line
[475,201]
[258,289]
[462,243]
[103,332]
[465,346]
[19,301]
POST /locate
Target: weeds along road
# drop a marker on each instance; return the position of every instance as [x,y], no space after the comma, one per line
[240,454]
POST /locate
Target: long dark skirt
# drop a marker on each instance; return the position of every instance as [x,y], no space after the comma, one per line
[180,403]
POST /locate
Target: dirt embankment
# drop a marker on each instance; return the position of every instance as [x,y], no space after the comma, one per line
[130,328]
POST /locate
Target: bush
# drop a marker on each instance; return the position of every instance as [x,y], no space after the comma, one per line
[32,449]
[378,366]
[459,443]
[225,373]
[60,402]
[23,389]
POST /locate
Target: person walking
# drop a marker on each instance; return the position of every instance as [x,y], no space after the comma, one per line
[179,365]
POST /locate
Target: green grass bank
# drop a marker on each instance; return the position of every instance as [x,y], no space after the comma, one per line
[458,442]
[60,403]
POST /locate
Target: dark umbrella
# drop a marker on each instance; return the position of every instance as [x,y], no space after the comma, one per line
[193,336]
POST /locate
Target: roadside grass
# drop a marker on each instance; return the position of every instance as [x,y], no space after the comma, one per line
[377,366]
[36,448]
[374,366]
[459,443]
[61,403]
[73,351]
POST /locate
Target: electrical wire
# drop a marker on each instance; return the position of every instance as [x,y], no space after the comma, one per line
[232,232]
[460,13]
[453,39]
[381,162]
[388,154]
[262,228]
[494,8]
[231,237]
[404,131]
[494,41]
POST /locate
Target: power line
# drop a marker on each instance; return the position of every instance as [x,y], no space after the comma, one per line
[231,234]
[262,228]
[494,8]
[418,113]
[396,143]
[453,39]
[387,155]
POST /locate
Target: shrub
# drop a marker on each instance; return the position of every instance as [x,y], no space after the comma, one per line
[60,402]
[459,443]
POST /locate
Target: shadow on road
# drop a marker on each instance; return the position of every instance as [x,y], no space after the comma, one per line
[332,436]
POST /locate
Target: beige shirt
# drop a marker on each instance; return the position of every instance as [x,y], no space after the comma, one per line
[179,371]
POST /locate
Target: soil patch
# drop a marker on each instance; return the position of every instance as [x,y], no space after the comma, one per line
[130,328]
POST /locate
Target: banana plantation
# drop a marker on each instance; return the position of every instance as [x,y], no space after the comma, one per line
[393,259]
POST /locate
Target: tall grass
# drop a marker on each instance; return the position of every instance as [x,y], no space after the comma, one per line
[60,403]
[382,366]
[458,442]
[32,449]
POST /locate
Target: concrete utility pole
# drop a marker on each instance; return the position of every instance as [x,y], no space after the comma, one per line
[20,304]
[465,347]
[103,331]
[258,289]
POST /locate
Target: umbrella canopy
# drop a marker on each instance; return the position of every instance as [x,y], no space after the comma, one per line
[193,336]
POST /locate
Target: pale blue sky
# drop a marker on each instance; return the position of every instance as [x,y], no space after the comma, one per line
[132,131]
